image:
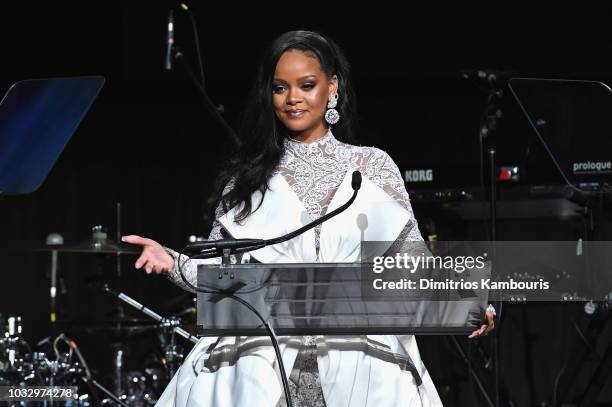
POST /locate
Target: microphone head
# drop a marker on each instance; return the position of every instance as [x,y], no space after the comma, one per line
[356,180]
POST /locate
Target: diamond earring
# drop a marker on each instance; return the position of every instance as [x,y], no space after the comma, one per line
[331,115]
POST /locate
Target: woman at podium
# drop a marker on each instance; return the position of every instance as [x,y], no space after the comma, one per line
[294,165]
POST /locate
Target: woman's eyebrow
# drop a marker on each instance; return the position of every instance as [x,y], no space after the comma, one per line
[299,79]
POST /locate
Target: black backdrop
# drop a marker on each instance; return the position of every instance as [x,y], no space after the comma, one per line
[148,143]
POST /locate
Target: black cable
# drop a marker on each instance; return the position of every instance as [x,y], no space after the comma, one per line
[210,106]
[587,345]
[88,377]
[317,222]
[556,386]
[196,39]
[213,252]
[105,391]
[269,329]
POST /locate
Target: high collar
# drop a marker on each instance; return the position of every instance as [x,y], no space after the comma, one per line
[296,145]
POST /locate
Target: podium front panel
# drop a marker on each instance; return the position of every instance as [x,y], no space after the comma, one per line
[321,299]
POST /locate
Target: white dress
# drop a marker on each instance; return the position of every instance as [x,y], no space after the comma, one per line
[310,180]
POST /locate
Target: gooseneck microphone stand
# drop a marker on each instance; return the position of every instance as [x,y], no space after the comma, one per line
[218,248]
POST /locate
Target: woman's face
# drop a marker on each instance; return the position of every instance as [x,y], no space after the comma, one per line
[300,92]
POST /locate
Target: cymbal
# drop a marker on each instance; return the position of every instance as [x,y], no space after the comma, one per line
[100,246]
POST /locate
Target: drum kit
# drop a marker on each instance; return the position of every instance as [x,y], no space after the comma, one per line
[57,360]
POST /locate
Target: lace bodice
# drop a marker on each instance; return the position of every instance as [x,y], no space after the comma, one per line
[315,171]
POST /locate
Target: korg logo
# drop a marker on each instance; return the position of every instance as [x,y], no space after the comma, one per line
[419,175]
[592,167]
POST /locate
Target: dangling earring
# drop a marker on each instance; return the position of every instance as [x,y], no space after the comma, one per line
[331,115]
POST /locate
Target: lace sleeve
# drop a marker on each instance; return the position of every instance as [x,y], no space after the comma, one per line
[382,170]
[190,266]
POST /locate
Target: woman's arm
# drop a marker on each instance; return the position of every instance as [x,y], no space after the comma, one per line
[387,176]
[190,266]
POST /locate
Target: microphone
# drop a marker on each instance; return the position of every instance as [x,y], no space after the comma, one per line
[169,41]
[207,250]
[356,180]
[490,76]
[231,244]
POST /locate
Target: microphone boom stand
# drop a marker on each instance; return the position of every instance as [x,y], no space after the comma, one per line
[488,126]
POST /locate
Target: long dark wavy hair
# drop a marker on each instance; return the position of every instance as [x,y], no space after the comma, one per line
[261,134]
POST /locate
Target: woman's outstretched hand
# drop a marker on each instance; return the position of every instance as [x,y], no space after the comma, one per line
[486,327]
[153,258]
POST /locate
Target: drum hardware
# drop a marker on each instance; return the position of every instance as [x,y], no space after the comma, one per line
[94,246]
[58,366]
[23,367]
[150,313]
[81,371]
[143,388]
[172,354]
[13,360]
[139,390]
[139,387]
[133,388]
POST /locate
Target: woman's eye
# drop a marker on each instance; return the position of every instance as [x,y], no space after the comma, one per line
[278,89]
[308,86]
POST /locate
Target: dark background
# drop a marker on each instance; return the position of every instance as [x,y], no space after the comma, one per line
[148,144]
